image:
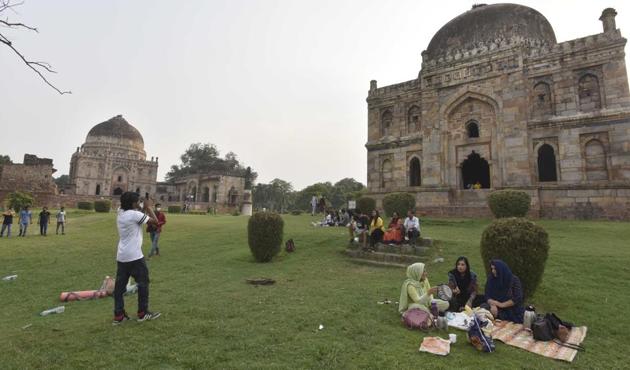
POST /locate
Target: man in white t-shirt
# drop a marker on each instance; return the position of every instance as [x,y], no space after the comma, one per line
[412,227]
[130,260]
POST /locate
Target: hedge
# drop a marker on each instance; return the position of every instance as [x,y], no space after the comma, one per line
[88,206]
[366,205]
[264,235]
[102,206]
[174,209]
[520,243]
[509,203]
[399,203]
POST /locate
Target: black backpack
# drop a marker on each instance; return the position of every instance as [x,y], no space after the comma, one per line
[289,246]
[551,327]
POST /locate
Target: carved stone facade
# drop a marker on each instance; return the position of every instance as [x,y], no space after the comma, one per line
[202,191]
[499,103]
[111,161]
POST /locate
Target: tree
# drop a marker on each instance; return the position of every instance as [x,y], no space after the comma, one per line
[204,158]
[275,196]
[18,200]
[40,68]
[62,181]
[5,159]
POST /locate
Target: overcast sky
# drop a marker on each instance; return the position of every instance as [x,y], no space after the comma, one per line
[282,83]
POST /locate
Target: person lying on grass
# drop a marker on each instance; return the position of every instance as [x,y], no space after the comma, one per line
[130,260]
[416,291]
[504,293]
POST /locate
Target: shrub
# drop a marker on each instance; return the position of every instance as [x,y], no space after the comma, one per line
[398,202]
[18,200]
[366,205]
[174,209]
[236,212]
[264,235]
[88,206]
[520,243]
[509,203]
[296,212]
[102,206]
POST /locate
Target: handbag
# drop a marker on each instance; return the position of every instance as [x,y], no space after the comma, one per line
[416,318]
[477,337]
[541,329]
[289,246]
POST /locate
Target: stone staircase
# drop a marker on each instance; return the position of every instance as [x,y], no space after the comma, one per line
[392,255]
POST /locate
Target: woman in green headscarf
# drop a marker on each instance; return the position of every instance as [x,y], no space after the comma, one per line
[416,292]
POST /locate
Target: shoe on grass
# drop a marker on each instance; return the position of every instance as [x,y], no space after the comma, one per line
[145,316]
[120,319]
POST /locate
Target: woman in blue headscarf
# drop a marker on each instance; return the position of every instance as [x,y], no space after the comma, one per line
[504,293]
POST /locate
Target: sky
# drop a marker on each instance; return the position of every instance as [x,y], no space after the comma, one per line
[282,83]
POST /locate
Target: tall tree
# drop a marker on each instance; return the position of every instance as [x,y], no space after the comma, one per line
[40,68]
[205,158]
[5,159]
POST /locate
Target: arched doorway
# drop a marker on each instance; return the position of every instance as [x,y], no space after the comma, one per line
[414,172]
[118,191]
[206,194]
[475,169]
[98,189]
[546,164]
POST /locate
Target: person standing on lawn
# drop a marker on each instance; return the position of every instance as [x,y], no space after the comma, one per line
[129,258]
[26,218]
[7,221]
[61,221]
[156,230]
[43,221]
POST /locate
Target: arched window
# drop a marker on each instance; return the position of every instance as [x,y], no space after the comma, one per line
[119,178]
[547,164]
[386,173]
[413,119]
[206,194]
[475,172]
[595,156]
[386,123]
[98,189]
[542,103]
[588,91]
[414,172]
[472,129]
[138,190]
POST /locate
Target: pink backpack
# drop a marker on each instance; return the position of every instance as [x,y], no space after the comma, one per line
[416,318]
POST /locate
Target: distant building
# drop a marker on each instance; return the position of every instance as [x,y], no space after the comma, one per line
[216,190]
[34,175]
[499,103]
[111,161]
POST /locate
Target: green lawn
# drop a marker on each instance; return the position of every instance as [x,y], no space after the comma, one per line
[212,319]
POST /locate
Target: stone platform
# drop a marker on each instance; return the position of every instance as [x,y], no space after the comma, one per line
[401,255]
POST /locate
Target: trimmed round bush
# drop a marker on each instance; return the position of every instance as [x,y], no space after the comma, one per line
[398,202]
[509,203]
[174,209]
[102,206]
[88,206]
[264,235]
[520,243]
[366,205]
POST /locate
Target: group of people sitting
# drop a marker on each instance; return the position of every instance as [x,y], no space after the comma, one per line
[503,295]
[371,230]
[335,218]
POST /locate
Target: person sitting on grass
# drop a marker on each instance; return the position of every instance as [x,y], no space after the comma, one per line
[394,233]
[416,291]
[129,258]
[463,283]
[376,229]
[358,228]
[412,227]
[344,218]
[504,293]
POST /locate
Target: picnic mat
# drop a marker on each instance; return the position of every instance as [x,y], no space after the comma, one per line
[435,345]
[516,335]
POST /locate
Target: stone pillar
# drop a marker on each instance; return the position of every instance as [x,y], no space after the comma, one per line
[608,20]
[372,85]
[246,207]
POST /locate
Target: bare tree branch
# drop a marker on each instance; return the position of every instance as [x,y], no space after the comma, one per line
[37,67]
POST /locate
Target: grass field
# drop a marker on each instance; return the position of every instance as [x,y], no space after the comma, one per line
[212,319]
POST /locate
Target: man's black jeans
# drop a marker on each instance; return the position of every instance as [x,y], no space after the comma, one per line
[139,271]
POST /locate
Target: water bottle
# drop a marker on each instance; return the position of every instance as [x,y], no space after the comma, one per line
[9,278]
[59,309]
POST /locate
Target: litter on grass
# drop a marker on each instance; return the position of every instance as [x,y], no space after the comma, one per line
[9,277]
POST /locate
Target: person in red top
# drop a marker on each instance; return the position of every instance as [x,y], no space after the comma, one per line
[155,230]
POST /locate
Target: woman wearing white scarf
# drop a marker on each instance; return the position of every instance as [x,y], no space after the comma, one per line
[416,291]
